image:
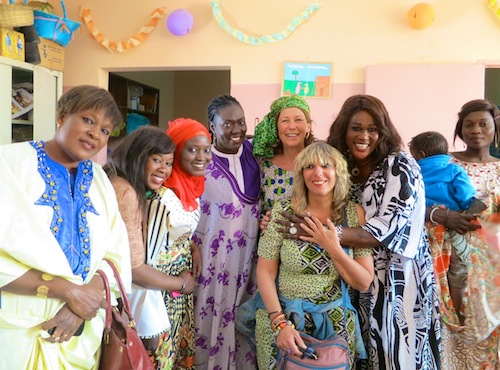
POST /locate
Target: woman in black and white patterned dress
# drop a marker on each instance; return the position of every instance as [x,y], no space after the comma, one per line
[399,313]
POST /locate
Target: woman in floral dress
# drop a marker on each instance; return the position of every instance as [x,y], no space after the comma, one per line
[180,195]
[473,344]
[227,238]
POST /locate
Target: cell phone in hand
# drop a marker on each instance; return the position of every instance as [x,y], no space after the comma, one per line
[476,207]
[308,353]
[78,332]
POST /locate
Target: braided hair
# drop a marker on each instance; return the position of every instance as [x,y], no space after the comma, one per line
[218,102]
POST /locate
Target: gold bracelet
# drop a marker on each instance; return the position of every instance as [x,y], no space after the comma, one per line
[47,277]
[42,291]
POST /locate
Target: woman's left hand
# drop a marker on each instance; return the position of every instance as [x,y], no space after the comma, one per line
[64,325]
[320,234]
[197,261]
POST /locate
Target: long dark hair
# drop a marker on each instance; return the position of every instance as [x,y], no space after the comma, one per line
[129,157]
[389,140]
[478,105]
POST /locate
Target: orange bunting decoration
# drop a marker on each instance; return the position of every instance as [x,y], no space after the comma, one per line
[121,46]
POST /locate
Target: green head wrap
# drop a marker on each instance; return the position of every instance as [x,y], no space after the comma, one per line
[266,132]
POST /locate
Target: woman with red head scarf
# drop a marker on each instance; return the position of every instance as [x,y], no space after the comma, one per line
[180,195]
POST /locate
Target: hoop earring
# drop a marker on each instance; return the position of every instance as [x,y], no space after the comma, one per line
[307,135]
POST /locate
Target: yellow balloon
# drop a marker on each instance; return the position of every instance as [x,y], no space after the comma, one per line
[420,16]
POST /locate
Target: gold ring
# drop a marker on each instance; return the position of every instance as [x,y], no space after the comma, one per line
[56,339]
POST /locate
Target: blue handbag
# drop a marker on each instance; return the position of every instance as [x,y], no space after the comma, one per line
[55,28]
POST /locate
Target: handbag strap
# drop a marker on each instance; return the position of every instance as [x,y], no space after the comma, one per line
[107,328]
[344,296]
[342,282]
[126,304]
[63,6]
[123,293]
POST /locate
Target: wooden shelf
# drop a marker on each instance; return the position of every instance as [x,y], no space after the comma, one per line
[135,97]
[38,120]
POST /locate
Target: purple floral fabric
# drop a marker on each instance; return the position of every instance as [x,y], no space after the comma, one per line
[227,235]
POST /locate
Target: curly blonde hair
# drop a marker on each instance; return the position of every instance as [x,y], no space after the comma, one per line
[321,153]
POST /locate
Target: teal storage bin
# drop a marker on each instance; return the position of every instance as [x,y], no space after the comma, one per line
[134,121]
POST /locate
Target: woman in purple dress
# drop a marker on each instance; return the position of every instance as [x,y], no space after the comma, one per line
[227,237]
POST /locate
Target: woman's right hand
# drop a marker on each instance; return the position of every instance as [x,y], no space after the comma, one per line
[292,221]
[63,325]
[289,339]
[85,300]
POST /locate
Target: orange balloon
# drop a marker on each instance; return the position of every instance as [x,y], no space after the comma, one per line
[420,16]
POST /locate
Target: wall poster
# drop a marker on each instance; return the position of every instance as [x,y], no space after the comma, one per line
[311,80]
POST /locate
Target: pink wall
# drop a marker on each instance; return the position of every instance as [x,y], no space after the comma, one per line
[425,97]
[256,100]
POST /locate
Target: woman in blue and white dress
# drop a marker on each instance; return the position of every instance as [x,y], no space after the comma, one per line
[400,311]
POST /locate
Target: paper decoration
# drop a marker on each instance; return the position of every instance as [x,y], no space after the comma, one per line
[420,16]
[243,37]
[121,46]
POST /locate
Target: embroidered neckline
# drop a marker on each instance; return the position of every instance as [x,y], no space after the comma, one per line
[62,219]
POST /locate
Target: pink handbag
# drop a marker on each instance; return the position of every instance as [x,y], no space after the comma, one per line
[331,353]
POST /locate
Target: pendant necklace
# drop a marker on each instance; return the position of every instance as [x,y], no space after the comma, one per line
[355,171]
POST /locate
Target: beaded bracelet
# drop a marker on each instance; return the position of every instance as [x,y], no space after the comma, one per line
[269,314]
[277,320]
[282,325]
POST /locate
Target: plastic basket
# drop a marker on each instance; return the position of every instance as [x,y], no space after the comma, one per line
[15,15]
[55,28]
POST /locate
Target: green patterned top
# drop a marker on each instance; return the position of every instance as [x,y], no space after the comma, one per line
[275,184]
[306,270]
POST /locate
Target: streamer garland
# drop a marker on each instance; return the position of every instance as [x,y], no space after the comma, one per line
[121,46]
[278,36]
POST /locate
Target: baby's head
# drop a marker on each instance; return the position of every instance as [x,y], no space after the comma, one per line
[428,143]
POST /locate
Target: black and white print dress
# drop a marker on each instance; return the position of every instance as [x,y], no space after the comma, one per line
[400,313]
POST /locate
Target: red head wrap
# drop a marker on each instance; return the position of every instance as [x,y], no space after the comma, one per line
[187,187]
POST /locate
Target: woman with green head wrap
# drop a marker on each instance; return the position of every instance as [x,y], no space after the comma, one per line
[278,139]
